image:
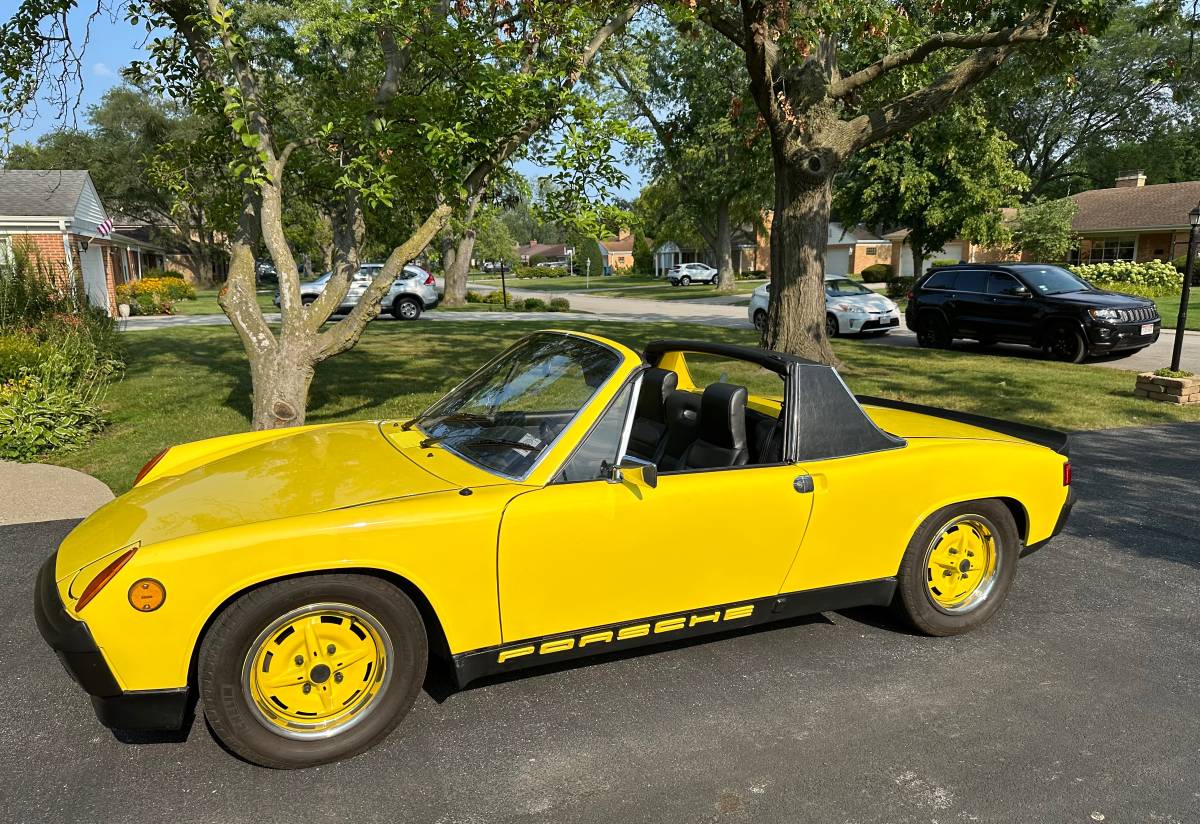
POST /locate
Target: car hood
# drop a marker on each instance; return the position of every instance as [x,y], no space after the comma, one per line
[1115,300]
[315,470]
[877,302]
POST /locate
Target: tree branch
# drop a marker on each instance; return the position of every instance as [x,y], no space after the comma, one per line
[1033,29]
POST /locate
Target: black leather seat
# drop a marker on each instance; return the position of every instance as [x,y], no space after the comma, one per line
[683,427]
[648,436]
[722,432]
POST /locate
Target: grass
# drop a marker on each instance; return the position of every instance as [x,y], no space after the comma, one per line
[572,283]
[623,286]
[206,303]
[1168,309]
[185,384]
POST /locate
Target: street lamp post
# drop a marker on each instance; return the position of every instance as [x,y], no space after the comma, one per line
[1185,296]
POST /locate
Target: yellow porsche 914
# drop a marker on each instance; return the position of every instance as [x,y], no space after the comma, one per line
[570,498]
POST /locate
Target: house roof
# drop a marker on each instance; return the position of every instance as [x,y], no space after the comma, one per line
[37,193]
[612,244]
[549,250]
[841,236]
[1162,206]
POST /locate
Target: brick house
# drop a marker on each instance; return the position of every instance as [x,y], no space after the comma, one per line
[1133,221]
[617,252]
[54,217]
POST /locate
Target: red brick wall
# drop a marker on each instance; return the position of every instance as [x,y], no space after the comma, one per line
[46,251]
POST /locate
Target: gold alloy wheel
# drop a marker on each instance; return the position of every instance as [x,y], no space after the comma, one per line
[317,671]
[961,564]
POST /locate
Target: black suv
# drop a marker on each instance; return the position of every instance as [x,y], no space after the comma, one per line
[1034,303]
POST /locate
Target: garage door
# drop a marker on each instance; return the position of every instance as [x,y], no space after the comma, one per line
[837,261]
[94,279]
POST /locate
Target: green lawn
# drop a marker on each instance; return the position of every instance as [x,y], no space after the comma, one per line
[1168,309]
[185,384]
[665,291]
[206,303]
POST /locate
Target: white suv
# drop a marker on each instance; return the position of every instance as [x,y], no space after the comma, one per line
[412,292]
[687,273]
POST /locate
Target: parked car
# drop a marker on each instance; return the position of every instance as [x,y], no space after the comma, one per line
[1037,304]
[411,293]
[850,308]
[297,580]
[686,274]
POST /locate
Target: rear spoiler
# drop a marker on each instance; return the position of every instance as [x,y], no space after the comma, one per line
[1049,438]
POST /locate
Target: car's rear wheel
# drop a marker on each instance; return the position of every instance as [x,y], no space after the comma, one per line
[958,567]
[933,332]
[760,320]
[307,299]
[1065,343]
[685,281]
[312,670]
[831,325]
[406,308]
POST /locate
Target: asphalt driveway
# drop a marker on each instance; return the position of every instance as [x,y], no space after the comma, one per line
[1077,704]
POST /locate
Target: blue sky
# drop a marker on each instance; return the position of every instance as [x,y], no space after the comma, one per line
[113,44]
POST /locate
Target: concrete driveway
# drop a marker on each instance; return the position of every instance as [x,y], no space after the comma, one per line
[1077,704]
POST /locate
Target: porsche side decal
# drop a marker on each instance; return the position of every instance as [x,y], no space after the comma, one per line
[531,652]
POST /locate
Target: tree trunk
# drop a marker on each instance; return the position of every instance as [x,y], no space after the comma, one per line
[280,379]
[724,250]
[455,293]
[799,229]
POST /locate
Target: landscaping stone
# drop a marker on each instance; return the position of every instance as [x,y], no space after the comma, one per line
[1168,390]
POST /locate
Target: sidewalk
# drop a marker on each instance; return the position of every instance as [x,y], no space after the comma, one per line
[40,492]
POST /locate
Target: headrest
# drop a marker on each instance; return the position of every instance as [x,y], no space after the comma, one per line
[682,409]
[723,415]
[656,385]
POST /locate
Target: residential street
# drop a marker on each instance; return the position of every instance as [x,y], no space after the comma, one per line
[1077,704]
[597,307]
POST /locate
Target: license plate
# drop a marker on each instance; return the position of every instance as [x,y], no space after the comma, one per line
[1147,329]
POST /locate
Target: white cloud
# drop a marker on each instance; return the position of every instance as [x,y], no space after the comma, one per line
[101,70]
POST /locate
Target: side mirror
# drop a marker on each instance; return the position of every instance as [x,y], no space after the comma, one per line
[634,470]
[1021,291]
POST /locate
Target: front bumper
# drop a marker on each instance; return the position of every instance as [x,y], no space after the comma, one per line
[1116,337]
[72,642]
[867,322]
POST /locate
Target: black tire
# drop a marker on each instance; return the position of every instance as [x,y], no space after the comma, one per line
[913,600]
[760,320]
[307,299]
[832,329]
[685,281]
[933,332]
[1065,343]
[405,308]
[232,635]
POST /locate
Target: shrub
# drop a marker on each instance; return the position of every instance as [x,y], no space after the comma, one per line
[899,287]
[154,296]
[155,273]
[559,305]
[534,305]
[943,262]
[751,274]
[1165,372]
[45,409]
[20,352]
[1153,279]
[877,273]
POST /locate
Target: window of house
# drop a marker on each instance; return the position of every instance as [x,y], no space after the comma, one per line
[870,251]
[1112,248]
[6,249]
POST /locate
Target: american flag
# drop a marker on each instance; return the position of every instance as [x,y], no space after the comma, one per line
[106,227]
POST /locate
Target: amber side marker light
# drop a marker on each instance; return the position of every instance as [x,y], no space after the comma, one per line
[150,464]
[147,594]
[98,583]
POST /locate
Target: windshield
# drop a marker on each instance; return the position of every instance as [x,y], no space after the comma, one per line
[1051,280]
[844,287]
[505,416]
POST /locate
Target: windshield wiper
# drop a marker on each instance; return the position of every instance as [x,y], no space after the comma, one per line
[502,442]
[453,417]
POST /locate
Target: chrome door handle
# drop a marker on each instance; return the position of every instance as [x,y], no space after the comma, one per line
[803,484]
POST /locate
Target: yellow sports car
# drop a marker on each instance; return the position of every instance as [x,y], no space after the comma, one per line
[569,498]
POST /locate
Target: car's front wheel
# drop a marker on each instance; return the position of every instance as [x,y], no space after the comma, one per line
[685,281]
[1065,343]
[958,567]
[311,670]
[831,325]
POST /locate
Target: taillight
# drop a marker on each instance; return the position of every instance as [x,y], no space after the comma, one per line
[429,281]
[150,464]
[909,295]
[1067,474]
[98,583]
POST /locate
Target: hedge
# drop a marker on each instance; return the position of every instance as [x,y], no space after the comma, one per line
[1153,279]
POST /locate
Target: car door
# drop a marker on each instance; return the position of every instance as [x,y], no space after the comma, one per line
[968,306]
[358,284]
[1012,310]
[585,551]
